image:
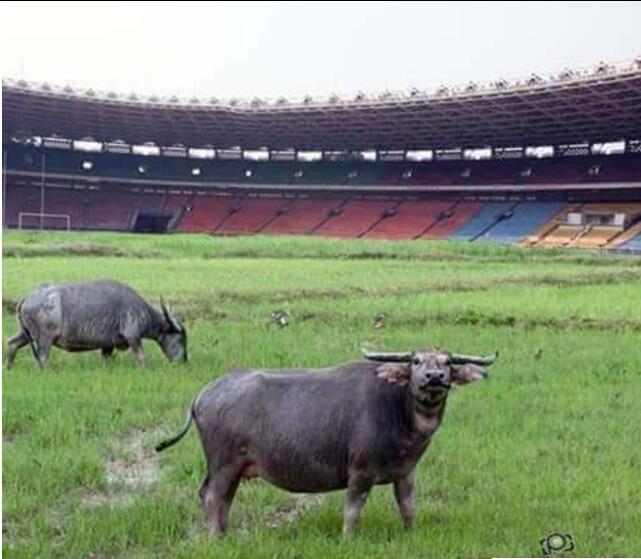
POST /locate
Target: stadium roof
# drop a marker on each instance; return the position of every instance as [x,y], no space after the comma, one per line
[600,105]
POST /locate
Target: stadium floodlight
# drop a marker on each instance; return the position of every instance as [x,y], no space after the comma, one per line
[87,165]
[87,144]
[603,68]
[142,169]
[196,171]
[419,155]
[566,74]
[248,173]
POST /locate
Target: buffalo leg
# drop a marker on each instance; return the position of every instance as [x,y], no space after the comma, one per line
[107,354]
[217,494]
[139,354]
[44,349]
[404,493]
[358,489]
[14,344]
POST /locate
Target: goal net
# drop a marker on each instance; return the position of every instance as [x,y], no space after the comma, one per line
[37,220]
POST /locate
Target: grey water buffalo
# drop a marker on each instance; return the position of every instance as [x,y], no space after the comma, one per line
[103,315]
[350,427]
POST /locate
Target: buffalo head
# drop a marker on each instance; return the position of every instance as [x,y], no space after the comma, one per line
[430,372]
[173,336]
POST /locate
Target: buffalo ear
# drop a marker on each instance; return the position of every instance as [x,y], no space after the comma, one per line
[394,373]
[464,374]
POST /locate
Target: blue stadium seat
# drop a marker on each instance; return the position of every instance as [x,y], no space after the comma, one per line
[526,218]
[484,218]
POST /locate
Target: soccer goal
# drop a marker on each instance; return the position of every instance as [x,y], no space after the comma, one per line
[38,220]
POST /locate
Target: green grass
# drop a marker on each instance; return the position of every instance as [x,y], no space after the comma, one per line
[548,444]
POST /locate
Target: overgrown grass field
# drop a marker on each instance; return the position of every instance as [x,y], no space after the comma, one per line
[550,443]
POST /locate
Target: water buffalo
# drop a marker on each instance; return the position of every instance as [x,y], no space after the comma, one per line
[103,315]
[348,427]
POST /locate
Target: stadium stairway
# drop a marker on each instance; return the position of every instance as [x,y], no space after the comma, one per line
[537,236]
[525,218]
[633,244]
[301,216]
[488,216]
[451,220]
[410,220]
[355,217]
[627,235]
[205,213]
[253,215]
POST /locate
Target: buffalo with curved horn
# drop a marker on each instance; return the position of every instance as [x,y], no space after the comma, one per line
[104,315]
[351,426]
[406,357]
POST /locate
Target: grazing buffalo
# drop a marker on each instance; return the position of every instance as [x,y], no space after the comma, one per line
[348,427]
[103,315]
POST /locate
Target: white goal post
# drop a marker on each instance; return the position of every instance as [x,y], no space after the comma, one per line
[38,220]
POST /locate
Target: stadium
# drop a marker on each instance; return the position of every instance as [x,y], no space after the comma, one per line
[546,161]
[207,252]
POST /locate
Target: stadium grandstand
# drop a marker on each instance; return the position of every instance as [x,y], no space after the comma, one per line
[545,161]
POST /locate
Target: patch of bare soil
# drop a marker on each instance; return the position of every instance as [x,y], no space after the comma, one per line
[131,466]
[292,509]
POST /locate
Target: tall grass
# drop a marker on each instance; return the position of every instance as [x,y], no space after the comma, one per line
[549,443]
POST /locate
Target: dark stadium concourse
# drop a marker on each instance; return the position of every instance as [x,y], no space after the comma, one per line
[550,161]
